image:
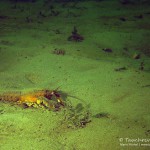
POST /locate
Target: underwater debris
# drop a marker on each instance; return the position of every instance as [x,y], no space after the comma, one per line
[58,51]
[120,69]
[77,117]
[147,132]
[48,11]
[108,50]
[122,19]
[75,36]
[102,115]
[3,17]
[126,2]
[50,99]
[54,13]
[1,111]
[141,66]
[32,1]
[148,85]
[139,16]
[28,19]
[57,31]
[6,43]
[136,56]
[41,14]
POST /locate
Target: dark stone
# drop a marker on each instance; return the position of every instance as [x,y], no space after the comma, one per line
[108,50]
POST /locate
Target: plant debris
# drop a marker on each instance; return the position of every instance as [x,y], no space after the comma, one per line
[142,65]
[77,117]
[59,51]
[108,50]
[121,69]
[102,115]
[136,56]
[75,36]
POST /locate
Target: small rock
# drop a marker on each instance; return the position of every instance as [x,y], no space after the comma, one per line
[136,56]
[121,69]
[108,50]
[122,19]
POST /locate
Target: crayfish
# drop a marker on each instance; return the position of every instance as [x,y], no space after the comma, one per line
[50,99]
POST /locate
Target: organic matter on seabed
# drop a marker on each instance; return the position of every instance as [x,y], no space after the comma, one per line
[59,51]
[77,117]
[75,36]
